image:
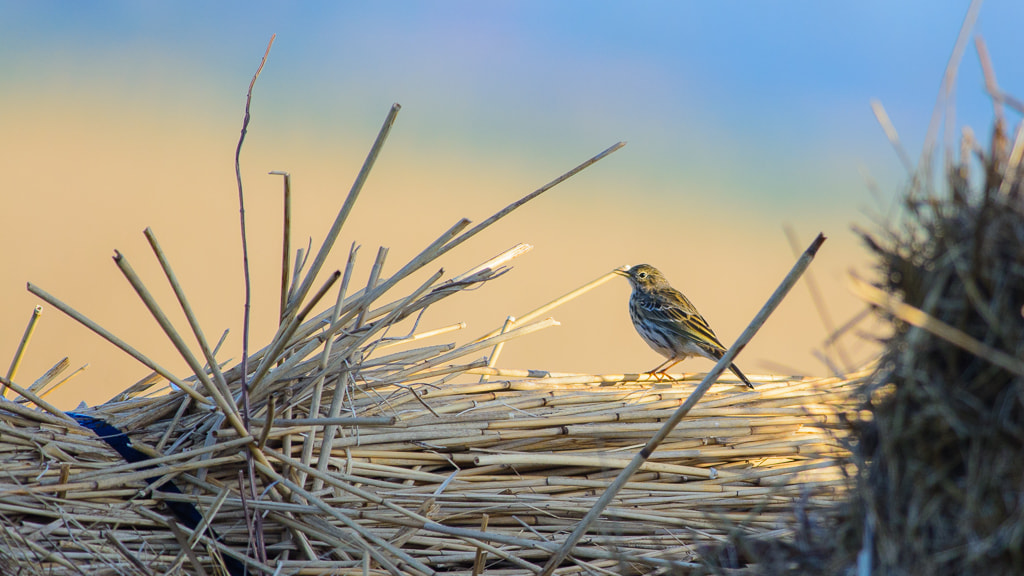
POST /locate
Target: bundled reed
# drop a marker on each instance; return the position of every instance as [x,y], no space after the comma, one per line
[340,448]
[414,463]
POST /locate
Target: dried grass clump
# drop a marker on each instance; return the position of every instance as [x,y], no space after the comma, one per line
[943,481]
[939,441]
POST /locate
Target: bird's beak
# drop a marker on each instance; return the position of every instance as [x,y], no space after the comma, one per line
[622,271]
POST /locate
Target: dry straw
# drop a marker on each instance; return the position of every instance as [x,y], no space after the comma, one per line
[938,441]
[354,451]
[940,459]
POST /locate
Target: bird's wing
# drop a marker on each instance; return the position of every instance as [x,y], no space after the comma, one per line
[676,313]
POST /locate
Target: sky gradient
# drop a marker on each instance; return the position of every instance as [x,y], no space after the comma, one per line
[740,119]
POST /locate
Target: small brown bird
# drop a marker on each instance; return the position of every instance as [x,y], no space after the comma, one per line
[669,322]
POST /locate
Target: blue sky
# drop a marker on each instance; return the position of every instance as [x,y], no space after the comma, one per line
[780,87]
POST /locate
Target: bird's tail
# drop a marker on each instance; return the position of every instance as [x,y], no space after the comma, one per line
[735,370]
[716,355]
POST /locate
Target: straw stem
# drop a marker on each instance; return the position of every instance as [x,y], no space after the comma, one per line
[22,346]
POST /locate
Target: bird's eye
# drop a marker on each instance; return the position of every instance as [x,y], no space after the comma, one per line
[642,275]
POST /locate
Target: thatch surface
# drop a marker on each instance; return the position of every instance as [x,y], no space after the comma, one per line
[341,447]
[522,456]
[344,446]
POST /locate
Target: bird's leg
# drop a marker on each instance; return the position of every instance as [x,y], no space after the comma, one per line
[661,371]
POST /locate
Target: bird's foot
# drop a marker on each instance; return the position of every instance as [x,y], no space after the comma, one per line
[660,375]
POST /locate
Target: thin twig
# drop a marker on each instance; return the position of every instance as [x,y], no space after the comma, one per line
[991,85]
[571,295]
[49,376]
[280,342]
[25,338]
[890,132]
[919,318]
[286,234]
[256,525]
[944,101]
[346,208]
[179,292]
[492,359]
[339,387]
[481,554]
[819,305]
[245,243]
[508,209]
[223,402]
[44,393]
[33,399]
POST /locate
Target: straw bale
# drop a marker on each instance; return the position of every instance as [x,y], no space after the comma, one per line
[745,467]
[327,451]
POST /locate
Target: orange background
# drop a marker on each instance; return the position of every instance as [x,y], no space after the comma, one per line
[118,122]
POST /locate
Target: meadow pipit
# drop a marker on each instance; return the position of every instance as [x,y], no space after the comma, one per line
[669,322]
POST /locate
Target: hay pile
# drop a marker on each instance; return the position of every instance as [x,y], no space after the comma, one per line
[939,443]
[518,459]
[943,458]
[350,449]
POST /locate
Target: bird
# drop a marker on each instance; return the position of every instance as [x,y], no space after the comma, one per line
[669,322]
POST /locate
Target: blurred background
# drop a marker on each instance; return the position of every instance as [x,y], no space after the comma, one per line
[742,120]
